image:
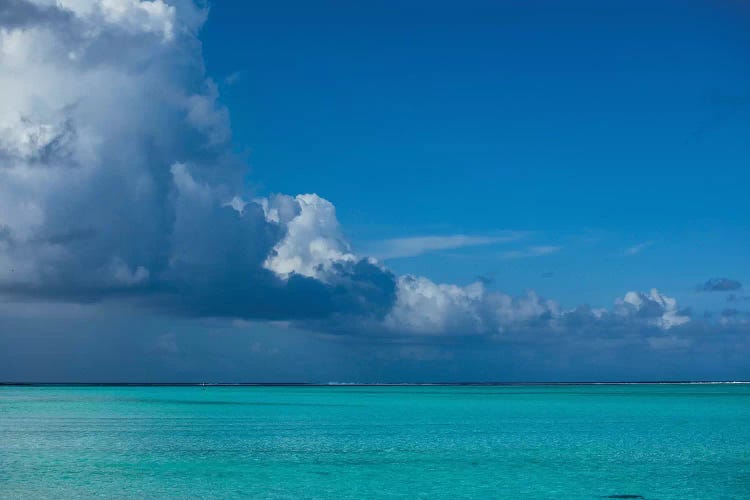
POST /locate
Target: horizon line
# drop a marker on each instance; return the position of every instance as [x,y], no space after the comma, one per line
[362,384]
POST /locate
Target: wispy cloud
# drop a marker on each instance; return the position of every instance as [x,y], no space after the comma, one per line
[535,251]
[636,249]
[233,78]
[396,248]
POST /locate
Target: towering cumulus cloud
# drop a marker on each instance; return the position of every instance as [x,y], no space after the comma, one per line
[117,181]
[116,177]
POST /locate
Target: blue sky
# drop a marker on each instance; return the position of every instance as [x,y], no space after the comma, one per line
[598,127]
[381,191]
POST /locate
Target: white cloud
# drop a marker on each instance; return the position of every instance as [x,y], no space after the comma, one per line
[116,176]
[410,247]
[100,99]
[131,16]
[429,308]
[425,307]
[655,308]
[313,243]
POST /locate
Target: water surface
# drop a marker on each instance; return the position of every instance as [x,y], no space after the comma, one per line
[653,441]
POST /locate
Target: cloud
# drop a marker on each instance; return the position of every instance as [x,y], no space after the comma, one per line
[313,245]
[19,13]
[442,311]
[397,248]
[720,285]
[655,308]
[535,251]
[83,191]
[426,308]
[636,249]
[117,182]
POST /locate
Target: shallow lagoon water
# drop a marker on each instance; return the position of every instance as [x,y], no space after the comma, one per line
[562,441]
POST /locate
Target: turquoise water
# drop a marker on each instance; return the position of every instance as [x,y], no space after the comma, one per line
[657,441]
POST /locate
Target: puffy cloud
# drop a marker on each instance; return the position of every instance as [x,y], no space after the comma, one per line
[721,285]
[271,258]
[116,176]
[424,307]
[89,137]
[654,308]
[116,180]
[313,245]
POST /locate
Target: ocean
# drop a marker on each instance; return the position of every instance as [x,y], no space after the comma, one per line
[665,441]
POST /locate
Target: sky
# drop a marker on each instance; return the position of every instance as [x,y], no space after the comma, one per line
[374,192]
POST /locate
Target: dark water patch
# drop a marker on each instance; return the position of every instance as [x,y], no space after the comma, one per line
[625,496]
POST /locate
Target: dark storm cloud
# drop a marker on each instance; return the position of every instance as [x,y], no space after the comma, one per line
[95,203]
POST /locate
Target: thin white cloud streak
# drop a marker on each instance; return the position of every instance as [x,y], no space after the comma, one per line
[636,249]
[535,251]
[397,248]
